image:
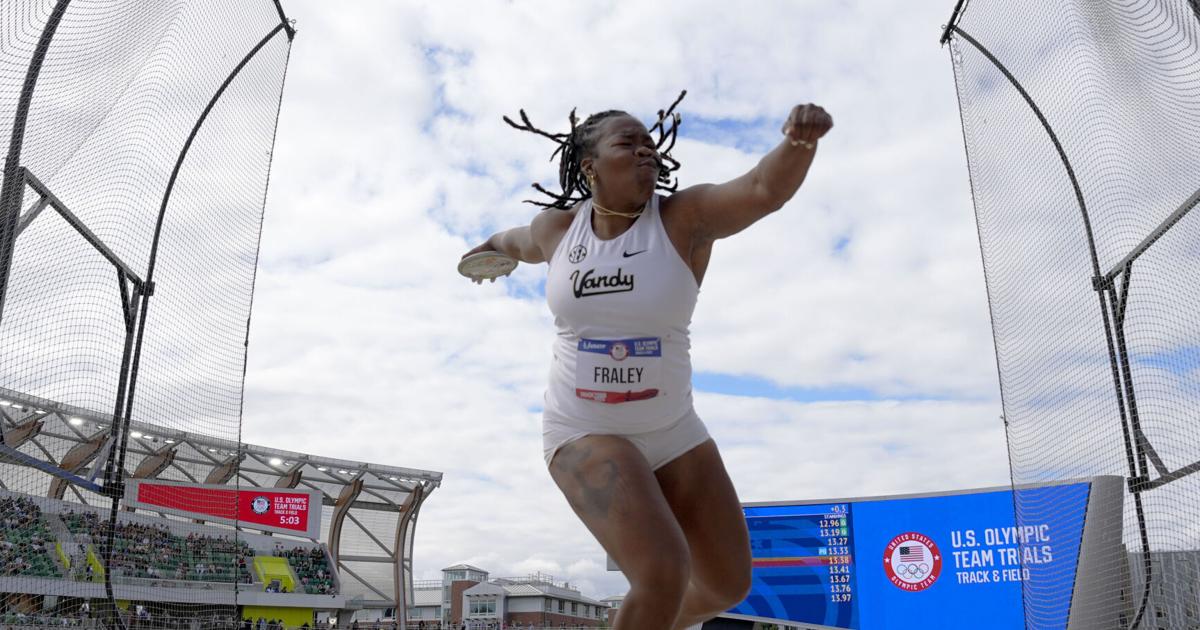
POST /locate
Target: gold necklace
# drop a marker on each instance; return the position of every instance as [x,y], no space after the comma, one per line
[613,213]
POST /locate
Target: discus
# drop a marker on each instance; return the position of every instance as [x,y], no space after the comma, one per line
[486,266]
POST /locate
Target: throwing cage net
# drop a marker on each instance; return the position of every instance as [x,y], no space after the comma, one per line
[138,139]
[1080,122]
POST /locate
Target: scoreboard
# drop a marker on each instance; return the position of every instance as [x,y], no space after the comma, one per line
[950,560]
[803,564]
[284,510]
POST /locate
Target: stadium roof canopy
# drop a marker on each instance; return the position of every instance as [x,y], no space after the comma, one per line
[368,515]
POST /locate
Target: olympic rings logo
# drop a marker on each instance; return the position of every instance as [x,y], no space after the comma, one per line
[912,561]
[912,571]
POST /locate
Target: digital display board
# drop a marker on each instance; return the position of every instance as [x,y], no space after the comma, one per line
[269,509]
[944,561]
[803,564]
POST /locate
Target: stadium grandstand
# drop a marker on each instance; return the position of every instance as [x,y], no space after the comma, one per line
[167,564]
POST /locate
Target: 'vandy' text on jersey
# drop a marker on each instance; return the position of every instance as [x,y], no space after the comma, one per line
[591,283]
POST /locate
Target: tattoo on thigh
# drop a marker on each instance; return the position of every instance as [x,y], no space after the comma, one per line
[596,490]
[597,493]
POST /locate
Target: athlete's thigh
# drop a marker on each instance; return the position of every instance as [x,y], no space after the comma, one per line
[611,488]
[704,502]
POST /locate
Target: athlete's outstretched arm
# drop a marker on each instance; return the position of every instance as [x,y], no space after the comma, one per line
[525,243]
[720,210]
[517,242]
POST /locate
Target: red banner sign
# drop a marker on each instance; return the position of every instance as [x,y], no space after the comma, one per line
[280,510]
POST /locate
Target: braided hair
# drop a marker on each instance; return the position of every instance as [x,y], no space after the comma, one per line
[581,141]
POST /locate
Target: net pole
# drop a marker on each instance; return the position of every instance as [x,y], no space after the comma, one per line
[113,470]
[954,16]
[14,184]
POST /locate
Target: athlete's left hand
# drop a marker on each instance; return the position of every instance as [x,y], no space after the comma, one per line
[806,124]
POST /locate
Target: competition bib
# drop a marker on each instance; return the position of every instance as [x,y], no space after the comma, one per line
[618,370]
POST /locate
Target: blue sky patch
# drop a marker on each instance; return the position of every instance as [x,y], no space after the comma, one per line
[524,291]
[1180,359]
[438,59]
[740,385]
[757,135]
[840,244]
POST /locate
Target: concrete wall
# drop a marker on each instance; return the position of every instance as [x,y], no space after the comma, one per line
[526,604]
[553,619]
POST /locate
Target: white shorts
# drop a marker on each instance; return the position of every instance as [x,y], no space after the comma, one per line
[660,447]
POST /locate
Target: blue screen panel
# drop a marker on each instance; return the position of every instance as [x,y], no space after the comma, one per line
[803,566]
[949,562]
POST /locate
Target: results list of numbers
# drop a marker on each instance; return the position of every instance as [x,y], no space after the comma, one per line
[834,534]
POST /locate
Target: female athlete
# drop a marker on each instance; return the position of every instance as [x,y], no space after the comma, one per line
[620,435]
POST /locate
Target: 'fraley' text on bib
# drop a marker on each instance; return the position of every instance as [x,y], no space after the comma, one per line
[618,370]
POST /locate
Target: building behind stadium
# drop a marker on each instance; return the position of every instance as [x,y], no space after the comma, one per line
[466,594]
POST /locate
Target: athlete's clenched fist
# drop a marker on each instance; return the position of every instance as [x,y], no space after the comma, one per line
[806,124]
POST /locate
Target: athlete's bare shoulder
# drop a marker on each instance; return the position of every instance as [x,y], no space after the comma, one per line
[549,226]
[679,219]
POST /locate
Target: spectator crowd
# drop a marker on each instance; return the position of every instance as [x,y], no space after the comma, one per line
[141,550]
[311,568]
[154,551]
[25,540]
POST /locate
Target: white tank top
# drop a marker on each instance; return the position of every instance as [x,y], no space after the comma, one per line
[622,308]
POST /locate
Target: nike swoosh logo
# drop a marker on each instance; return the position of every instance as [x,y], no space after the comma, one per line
[628,255]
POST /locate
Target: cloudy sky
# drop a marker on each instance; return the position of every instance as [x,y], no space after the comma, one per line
[841,347]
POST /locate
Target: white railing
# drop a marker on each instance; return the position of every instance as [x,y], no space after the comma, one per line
[76,623]
[192,584]
[48,623]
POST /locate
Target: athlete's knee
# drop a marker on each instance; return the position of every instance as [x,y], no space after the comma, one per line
[736,589]
[666,574]
[729,591]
